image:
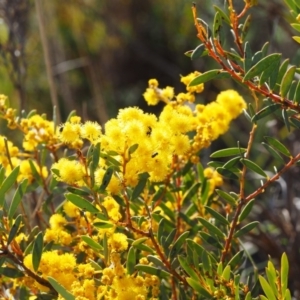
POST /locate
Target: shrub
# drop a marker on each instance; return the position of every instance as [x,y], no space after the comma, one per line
[130,211]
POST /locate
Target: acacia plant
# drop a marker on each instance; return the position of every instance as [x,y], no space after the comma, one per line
[129,211]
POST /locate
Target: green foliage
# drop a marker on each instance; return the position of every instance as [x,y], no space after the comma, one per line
[132,212]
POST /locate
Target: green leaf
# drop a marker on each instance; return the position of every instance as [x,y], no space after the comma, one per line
[292,90]
[103,225]
[144,247]
[35,173]
[272,73]
[198,52]
[266,288]
[209,75]
[265,112]
[246,210]
[188,53]
[287,81]
[78,191]
[199,289]
[105,249]
[217,215]
[222,14]
[284,273]
[210,239]
[60,289]
[106,179]
[2,174]
[93,244]
[8,183]
[286,119]
[228,152]
[291,4]
[131,260]
[187,268]
[187,198]
[14,229]
[248,296]
[287,295]
[160,230]
[20,191]
[211,228]
[227,173]
[273,152]
[261,66]
[95,156]
[227,197]
[226,273]
[297,94]
[246,27]
[278,146]
[296,38]
[152,270]
[295,122]
[246,229]
[139,241]
[37,251]
[217,24]
[206,262]
[132,148]
[236,260]
[11,272]
[247,57]
[232,163]
[139,188]
[253,167]
[81,203]
[178,244]
[282,71]
[157,262]
[272,280]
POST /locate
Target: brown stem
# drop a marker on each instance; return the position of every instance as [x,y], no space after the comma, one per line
[37,278]
[250,197]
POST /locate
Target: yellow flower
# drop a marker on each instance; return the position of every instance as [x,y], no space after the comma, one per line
[91,131]
[26,171]
[118,242]
[61,267]
[69,132]
[153,83]
[232,102]
[57,221]
[151,96]
[187,79]
[70,171]
[112,208]
[71,209]
[168,92]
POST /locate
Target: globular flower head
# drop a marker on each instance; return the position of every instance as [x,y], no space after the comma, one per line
[188,78]
[91,131]
[70,171]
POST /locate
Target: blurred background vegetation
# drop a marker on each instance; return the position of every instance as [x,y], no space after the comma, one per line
[100,55]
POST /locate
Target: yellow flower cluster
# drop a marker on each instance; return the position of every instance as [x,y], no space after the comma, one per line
[214,179]
[37,130]
[77,278]
[119,285]
[73,132]
[7,113]
[57,233]
[61,267]
[9,159]
[69,171]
